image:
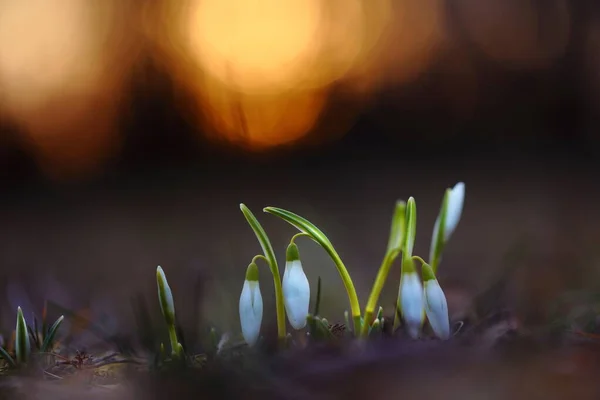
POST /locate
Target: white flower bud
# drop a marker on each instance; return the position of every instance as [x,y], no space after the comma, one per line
[412,303]
[251,306]
[165,297]
[455,207]
[296,289]
[453,202]
[436,308]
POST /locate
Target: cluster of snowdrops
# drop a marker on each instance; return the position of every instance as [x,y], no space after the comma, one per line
[420,297]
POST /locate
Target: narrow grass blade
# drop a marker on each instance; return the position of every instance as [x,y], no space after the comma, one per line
[36,330]
[318,301]
[4,354]
[51,333]
[22,344]
[398,227]
[33,335]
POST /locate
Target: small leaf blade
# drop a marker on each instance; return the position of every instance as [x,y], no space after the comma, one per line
[398,227]
[51,334]
[4,354]
[261,235]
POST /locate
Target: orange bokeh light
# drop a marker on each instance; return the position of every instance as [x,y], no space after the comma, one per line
[262,70]
[61,71]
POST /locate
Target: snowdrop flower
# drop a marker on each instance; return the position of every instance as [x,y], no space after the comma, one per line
[165,297]
[296,290]
[455,207]
[453,203]
[436,306]
[411,300]
[251,306]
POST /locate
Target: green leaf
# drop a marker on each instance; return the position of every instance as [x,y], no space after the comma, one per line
[22,346]
[33,335]
[267,248]
[438,240]
[51,334]
[4,354]
[375,328]
[261,235]
[398,227]
[395,244]
[380,313]
[319,328]
[303,225]
[411,226]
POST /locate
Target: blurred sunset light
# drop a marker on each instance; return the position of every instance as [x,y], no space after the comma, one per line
[62,65]
[258,74]
[262,70]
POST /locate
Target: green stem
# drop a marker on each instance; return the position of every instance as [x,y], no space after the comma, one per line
[376,291]
[314,233]
[173,340]
[301,234]
[279,305]
[260,257]
[263,239]
[348,284]
[352,296]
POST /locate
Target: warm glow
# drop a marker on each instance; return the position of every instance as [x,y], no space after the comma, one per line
[44,47]
[262,70]
[254,43]
[53,74]
[262,121]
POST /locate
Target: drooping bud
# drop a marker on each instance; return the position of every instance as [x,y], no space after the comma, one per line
[296,289]
[22,346]
[165,297]
[412,304]
[251,306]
[436,306]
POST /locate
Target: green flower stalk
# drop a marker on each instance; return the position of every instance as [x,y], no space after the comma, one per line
[167,307]
[446,222]
[309,229]
[269,256]
[22,345]
[396,240]
[410,292]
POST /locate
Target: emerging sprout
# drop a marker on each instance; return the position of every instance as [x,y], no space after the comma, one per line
[167,306]
[22,345]
[296,289]
[251,306]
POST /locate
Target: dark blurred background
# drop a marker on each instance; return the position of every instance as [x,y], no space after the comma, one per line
[130,131]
